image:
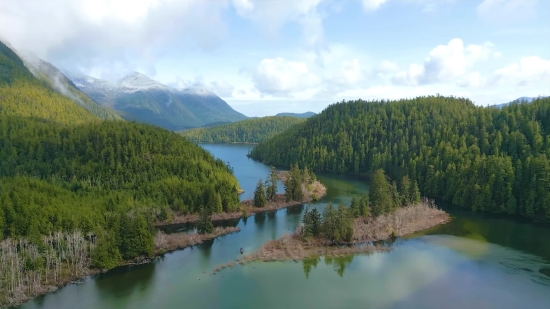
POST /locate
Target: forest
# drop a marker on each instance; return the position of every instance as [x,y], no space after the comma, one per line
[484,159]
[78,193]
[252,130]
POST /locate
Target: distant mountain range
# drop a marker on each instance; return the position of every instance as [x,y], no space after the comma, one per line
[138,97]
[520,100]
[298,115]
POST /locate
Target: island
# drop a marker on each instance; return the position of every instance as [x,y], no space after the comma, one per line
[386,212]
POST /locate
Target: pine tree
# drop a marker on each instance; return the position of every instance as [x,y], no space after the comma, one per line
[405,191]
[272,185]
[105,254]
[259,195]
[205,225]
[355,207]
[414,193]
[379,194]
[364,206]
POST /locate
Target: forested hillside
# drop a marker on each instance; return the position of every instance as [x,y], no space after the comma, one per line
[23,95]
[246,131]
[485,159]
[56,80]
[77,192]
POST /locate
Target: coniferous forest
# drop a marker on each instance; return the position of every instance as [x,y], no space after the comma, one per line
[484,159]
[78,192]
[246,131]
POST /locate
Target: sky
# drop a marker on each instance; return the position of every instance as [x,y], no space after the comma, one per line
[269,56]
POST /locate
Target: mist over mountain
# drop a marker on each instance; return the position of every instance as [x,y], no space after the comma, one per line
[138,97]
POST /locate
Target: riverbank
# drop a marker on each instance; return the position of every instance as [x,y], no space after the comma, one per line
[20,286]
[311,192]
[404,221]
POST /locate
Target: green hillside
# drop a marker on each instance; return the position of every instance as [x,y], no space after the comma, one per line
[63,170]
[252,130]
[56,80]
[23,95]
[484,159]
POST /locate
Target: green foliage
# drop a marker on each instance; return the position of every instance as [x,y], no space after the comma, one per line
[472,156]
[355,208]
[312,223]
[364,206]
[21,94]
[271,188]
[337,224]
[205,225]
[259,195]
[293,184]
[252,130]
[380,194]
[136,238]
[106,254]
[57,81]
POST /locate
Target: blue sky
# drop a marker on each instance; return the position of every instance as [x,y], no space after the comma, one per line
[270,56]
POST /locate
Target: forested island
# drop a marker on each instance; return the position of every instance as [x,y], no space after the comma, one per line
[251,131]
[483,159]
[301,186]
[388,210]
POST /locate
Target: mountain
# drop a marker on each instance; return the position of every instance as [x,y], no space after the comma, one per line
[485,159]
[518,100]
[298,115]
[245,131]
[49,74]
[138,97]
[24,95]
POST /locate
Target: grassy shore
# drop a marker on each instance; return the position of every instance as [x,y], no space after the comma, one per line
[292,246]
[311,192]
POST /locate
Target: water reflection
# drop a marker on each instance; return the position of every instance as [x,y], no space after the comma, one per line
[137,281]
[339,263]
[308,263]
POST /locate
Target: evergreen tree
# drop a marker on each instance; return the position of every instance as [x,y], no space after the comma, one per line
[205,225]
[105,254]
[379,194]
[414,193]
[272,185]
[364,206]
[259,195]
[355,207]
[405,191]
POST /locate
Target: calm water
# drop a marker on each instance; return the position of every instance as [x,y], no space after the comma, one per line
[474,261]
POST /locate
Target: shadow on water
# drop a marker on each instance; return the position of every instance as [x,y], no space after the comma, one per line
[137,279]
[506,231]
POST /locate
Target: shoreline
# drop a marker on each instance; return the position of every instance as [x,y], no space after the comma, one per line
[367,231]
[164,243]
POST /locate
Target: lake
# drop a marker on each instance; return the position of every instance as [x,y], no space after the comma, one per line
[475,261]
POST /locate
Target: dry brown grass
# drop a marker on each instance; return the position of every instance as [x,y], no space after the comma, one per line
[170,242]
[404,221]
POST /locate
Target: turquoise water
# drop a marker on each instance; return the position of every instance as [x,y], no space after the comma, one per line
[475,261]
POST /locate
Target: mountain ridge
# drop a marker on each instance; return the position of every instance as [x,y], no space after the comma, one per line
[141,98]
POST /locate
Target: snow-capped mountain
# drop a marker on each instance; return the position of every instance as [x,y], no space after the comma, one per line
[141,98]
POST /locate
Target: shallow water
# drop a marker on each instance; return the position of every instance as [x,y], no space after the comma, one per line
[475,261]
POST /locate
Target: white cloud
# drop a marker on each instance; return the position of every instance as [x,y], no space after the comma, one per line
[271,15]
[444,63]
[372,5]
[222,88]
[506,11]
[279,76]
[386,67]
[106,34]
[472,80]
[528,70]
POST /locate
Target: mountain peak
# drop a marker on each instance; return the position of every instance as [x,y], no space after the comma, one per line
[199,90]
[140,82]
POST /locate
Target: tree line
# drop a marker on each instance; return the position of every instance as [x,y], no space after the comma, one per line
[252,130]
[485,159]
